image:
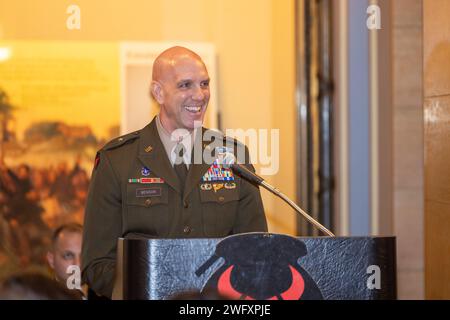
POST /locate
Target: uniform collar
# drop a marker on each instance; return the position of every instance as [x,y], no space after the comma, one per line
[152,154]
[170,141]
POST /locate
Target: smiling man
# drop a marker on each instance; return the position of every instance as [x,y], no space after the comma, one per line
[146,182]
[181,87]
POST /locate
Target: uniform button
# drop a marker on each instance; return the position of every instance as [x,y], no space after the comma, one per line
[221,199]
[186,204]
[148,202]
[187,229]
[120,139]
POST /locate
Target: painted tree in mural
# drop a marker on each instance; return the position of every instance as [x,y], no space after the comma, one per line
[6,109]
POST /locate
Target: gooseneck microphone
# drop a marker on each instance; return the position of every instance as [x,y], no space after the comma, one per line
[229,161]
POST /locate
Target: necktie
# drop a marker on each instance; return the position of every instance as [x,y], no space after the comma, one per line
[179,165]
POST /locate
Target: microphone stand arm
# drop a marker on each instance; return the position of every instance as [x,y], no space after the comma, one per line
[299,210]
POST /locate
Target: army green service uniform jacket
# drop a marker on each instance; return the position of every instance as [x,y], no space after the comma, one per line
[119,203]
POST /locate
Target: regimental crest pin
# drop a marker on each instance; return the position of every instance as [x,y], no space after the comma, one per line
[145,171]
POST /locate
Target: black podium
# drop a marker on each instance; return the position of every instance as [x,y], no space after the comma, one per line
[258,266]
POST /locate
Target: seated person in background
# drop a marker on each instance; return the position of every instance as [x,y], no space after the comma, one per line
[65,251]
[35,286]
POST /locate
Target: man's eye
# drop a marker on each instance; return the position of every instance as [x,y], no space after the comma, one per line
[67,256]
[184,85]
[205,84]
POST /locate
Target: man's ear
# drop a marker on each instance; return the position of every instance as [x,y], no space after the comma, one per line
[157,92]
[51,259]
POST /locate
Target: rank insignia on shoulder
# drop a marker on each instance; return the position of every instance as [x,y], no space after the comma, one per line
[146,180]
[206,186]
[145,171]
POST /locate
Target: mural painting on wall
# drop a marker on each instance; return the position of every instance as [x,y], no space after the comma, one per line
[59,103]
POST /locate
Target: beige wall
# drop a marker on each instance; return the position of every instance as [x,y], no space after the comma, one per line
[255,46]
[421,46]
[436,62]
[283,111]
[408,146]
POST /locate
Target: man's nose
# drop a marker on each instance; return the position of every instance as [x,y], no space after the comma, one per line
[77,260]
[199,93]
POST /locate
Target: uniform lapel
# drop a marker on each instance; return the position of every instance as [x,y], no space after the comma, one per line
[153,155]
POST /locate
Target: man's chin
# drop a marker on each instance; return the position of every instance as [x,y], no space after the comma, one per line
[193,124]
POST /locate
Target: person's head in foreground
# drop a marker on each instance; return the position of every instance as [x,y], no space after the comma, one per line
[65,250]
[34,286]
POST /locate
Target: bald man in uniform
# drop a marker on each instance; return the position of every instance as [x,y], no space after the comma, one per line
[156,181]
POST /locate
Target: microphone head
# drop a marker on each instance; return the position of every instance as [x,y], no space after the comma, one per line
[227,159]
